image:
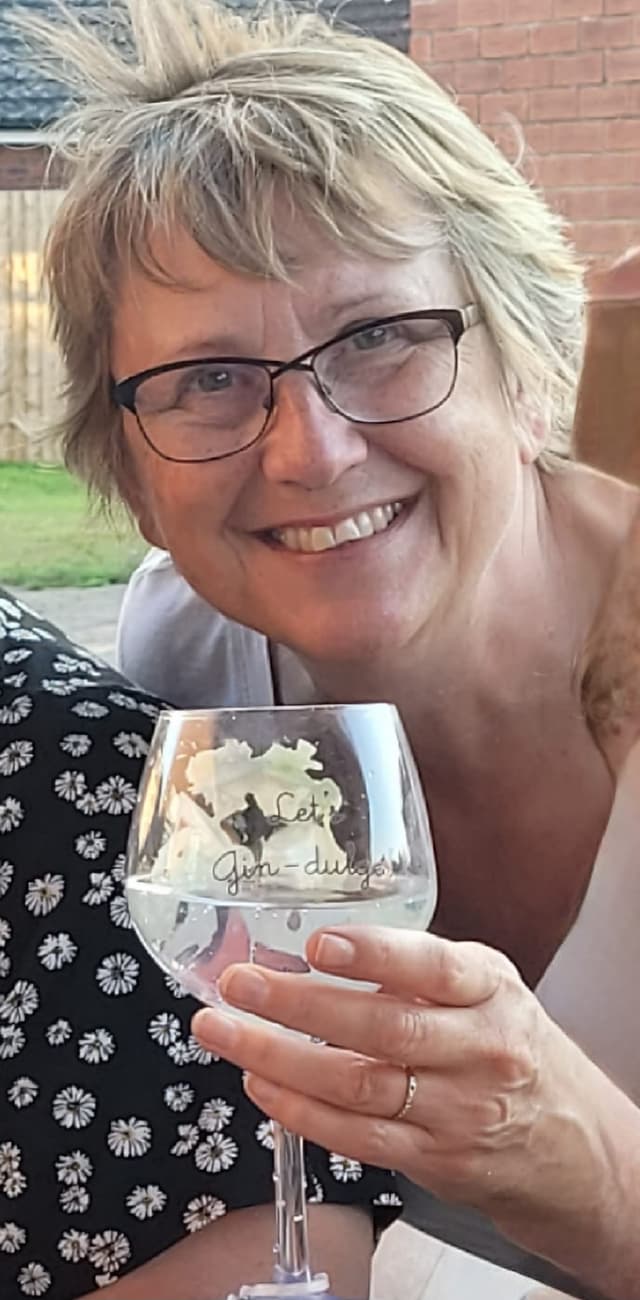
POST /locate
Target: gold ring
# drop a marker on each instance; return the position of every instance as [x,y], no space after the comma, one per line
[410,1095]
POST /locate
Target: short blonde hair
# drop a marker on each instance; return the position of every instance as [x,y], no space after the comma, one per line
[186,111]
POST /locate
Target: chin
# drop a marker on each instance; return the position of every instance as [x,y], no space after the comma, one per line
[354,638]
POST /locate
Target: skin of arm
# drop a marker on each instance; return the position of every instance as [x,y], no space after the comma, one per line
[210,1264]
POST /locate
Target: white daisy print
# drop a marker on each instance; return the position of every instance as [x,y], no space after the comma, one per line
[164,1028]
[15,1184]
[17,656]
[15,756]
[91,844]
[144,1202]
[264,1134]
[388,1198]
[6,876]
[105,1279]
[11,814]
[215,1115]
[216,1153]
[5,964]
[96,1046]
[44,893]
[119,867]
[12,1041]
[58,1033]
[55,686]
[23,1092]
[123,701]
[57,950]
[65,664]
[73,1168]
[118,974]
[116,795]
[131,744]
[5,931]
[73,1107]
[70,785]
[109,1250]
[119,912]
[344,1170]
[10,1158]
[179,1096]
[197,1054]
[149,710]
[74,1245]
[180,1053]
[201,1211]
[101,889]
[188,1138]
[315,1195]
[75,1200]
[89,709]
[23,634]
[129,1137]
[76,744]
[16,680]
[17,711]
[87,804]
[33,1279]
[174,987]
[20,1003]
[12,1238]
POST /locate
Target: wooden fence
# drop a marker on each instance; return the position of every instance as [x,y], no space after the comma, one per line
[30,368]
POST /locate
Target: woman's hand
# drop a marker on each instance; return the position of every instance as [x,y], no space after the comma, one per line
[506,1114]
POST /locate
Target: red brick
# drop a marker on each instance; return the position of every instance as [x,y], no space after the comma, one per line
[578,137]
[503,42]
[604,237]
[529,11]
[620,6]
[606,33]
[469,105]
[578,69]
[577,8]
[597,204]
[556,105]
[540,137]
[553,38]
[624,134]
[462,44]
[444,73]
[623,65]
[520,73]
[432,15]
[508,138]
[619,169]
[421,48]
[478,74]
[480,13]
[497,106]
[606,101]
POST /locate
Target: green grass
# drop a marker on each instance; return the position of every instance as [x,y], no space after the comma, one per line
[49,537]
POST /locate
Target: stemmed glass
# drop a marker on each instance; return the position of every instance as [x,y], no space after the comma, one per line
[255,827]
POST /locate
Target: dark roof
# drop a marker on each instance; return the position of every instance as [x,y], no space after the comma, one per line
[29,101]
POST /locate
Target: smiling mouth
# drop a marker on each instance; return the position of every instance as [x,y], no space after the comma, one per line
[327,537]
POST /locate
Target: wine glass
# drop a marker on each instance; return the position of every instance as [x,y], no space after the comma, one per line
[255,827]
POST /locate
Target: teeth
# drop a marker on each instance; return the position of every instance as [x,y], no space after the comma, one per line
[353,529]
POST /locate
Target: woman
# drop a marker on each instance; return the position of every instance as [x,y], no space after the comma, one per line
[324,341]
[128,1156]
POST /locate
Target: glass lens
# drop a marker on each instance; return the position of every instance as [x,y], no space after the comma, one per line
[390,371]
[204,410]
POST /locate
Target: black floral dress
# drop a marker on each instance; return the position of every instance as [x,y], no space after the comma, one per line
[119,1135]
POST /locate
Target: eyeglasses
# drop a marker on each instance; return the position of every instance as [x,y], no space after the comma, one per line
[386,371]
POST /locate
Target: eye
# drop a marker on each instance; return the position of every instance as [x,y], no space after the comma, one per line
[205,379]
[375,336]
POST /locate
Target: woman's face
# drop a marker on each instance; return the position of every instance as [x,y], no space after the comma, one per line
[232,525]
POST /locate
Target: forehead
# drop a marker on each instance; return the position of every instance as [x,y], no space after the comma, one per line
[196,303]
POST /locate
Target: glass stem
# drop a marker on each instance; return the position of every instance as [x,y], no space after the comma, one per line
[292,1237]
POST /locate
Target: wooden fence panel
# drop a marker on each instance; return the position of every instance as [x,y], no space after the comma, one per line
[30,368]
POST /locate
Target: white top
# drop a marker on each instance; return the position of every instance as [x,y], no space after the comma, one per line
[173,643]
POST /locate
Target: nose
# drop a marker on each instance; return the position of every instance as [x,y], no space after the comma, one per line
[307,443]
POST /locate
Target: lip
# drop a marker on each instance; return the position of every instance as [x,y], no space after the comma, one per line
[328,521]
[348,551]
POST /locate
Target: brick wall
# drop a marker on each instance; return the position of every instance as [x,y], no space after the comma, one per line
[569,71]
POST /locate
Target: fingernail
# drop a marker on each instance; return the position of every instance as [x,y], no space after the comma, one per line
[265,1094]
[217,1031]
[245,988]
[334,951]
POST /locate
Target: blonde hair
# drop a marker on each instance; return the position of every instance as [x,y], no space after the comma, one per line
[186,111]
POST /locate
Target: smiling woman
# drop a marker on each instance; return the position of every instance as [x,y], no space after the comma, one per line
[324,340]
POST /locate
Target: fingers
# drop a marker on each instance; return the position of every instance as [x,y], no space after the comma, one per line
[373,1025]
[416,965]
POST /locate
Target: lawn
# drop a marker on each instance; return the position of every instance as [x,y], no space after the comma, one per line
[51,537]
